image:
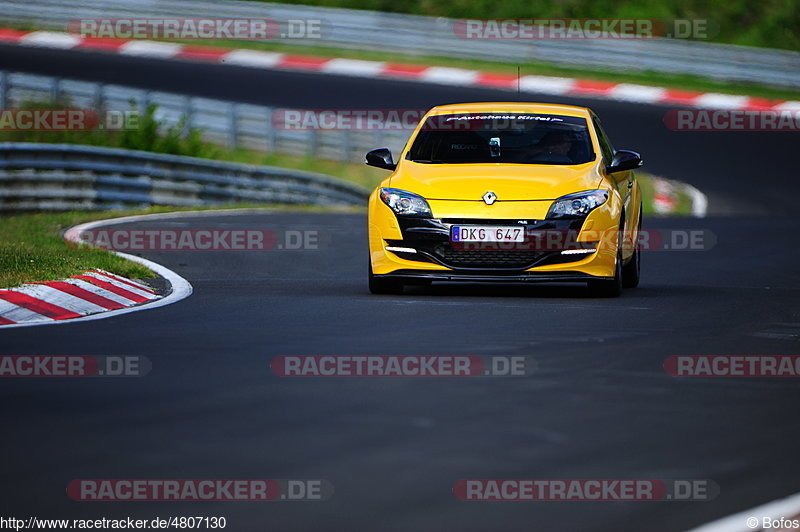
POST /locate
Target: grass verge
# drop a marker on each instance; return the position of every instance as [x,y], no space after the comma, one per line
[32,249]
[770,23]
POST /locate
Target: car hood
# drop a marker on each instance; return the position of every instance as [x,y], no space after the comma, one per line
[508,181]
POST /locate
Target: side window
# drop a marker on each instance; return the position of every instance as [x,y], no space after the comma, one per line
[605,145]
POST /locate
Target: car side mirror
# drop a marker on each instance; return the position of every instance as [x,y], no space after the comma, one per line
[381,158]
[624,160]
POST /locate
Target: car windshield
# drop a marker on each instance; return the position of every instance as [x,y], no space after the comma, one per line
[503,138]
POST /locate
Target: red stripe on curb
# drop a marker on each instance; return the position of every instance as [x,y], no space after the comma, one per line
[401,70]
[7,35]
[79,292]
[762,104]
[583,86]
[302,62]
[202,53]
[102,44]
[111,288]
[123,280]
[6,321]
[37,305]
[497,80]
[681,97]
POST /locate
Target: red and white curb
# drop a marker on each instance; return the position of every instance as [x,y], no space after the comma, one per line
[627,92]
[781,516]
[666,196]
[81,295]
[93,295]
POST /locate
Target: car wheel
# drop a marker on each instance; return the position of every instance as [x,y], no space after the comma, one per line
[378,285]
[631,272]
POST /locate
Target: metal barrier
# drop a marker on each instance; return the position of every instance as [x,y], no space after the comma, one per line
[369,30]
[66,177]
[236,125]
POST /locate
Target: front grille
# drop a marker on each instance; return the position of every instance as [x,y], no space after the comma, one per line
[487,258]
[505,259]
[431,238]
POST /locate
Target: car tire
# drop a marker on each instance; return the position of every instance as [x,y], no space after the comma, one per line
[382,286]
[631,272]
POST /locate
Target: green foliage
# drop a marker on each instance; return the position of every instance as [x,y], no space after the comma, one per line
[769,23]
[150,134]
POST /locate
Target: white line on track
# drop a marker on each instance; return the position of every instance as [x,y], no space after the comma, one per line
[788,508]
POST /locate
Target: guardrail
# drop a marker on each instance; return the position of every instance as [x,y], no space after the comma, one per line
[65,177]
[369,30]
[234,124]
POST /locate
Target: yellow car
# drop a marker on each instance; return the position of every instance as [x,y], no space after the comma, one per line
[506,192]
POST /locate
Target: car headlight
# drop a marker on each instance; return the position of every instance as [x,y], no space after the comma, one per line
[405,203]
[578,204]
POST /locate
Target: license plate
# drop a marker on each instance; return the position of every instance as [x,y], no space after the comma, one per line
[486,233]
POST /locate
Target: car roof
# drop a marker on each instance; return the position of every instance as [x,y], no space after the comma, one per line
[513,107]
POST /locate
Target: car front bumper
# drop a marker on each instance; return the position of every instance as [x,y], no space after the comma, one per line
[420,248]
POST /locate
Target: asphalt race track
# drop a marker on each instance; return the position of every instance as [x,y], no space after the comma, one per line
[599,405]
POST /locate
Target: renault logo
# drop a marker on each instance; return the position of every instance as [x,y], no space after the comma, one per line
[489,197]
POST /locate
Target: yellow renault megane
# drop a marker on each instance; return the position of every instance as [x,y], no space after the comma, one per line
[506,192]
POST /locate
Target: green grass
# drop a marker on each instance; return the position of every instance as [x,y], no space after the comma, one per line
[767,23]
[764,23]
[32,249]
